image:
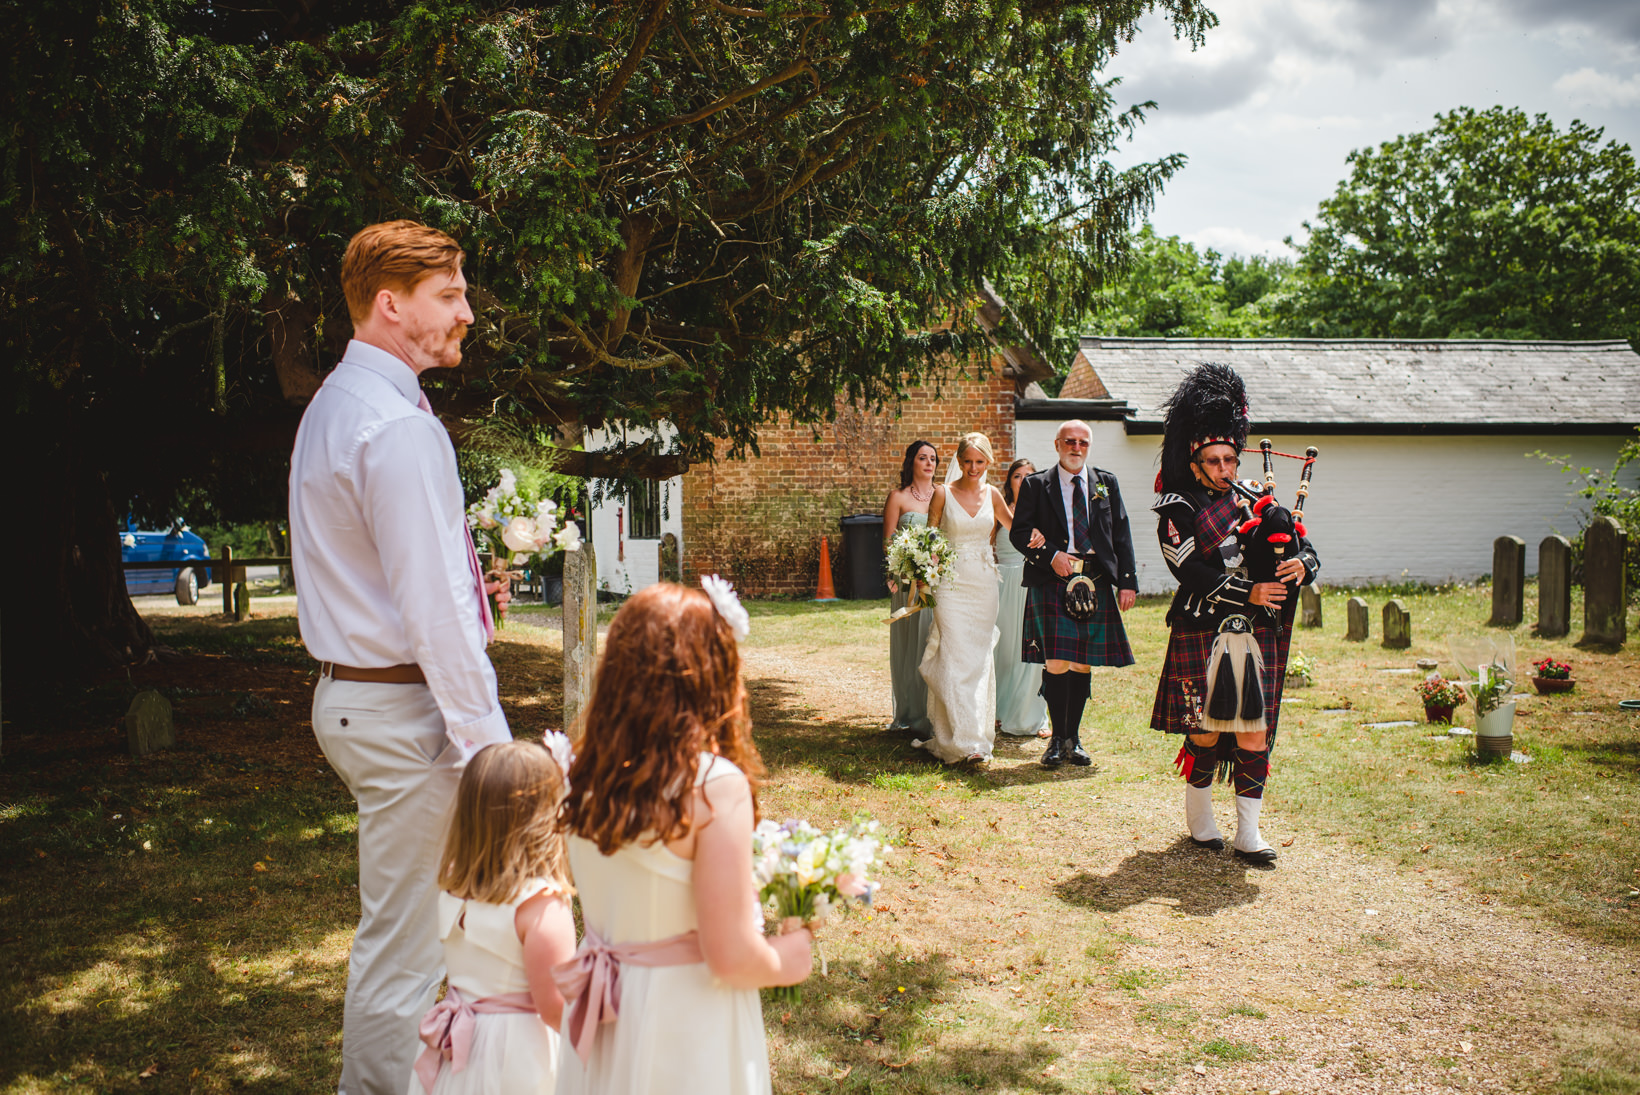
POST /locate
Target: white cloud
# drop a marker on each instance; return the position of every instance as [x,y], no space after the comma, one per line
[1590,87]
[1237,241]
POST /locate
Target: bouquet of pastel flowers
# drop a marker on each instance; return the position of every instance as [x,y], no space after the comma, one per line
[805,873]
[920,557]
[517,529]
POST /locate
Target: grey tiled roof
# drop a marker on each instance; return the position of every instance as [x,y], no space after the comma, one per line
[1473,384]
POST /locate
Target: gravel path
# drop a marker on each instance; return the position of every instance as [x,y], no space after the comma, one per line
[1349,973]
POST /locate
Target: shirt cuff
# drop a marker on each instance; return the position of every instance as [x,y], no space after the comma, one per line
[472,736]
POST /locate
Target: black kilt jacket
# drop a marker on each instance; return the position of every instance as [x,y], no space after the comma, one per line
[1197,531]
[1041,505]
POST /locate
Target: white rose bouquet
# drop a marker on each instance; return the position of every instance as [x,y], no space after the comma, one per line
[920,557]
[518,530]
[804,873]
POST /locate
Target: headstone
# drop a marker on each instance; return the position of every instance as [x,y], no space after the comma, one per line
[1554,587]
[1356,614]
[1397,626]
[1309,607]
[241,601]
[580,629]
[671,559]
[1605,584]
[1508,581]
[148,726]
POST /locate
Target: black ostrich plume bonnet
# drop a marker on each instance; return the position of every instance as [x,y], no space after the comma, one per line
[1209,407]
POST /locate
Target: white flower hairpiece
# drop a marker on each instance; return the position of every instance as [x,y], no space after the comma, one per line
[728,605]
[557,743]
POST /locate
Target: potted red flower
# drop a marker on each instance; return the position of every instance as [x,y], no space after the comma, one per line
[1440,697]
[1552,676]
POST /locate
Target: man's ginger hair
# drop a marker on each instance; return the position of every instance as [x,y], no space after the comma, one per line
[393,255]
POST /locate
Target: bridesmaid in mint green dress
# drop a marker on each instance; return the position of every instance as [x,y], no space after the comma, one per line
[1021,710]
[908,506]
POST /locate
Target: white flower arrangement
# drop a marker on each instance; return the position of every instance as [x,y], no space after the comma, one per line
[920,557]
[728,605]
[804,873]
[519,531]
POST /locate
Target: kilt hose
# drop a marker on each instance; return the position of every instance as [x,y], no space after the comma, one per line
[1052,634]
[1183,689]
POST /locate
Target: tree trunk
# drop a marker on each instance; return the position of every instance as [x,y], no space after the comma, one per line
[66,607]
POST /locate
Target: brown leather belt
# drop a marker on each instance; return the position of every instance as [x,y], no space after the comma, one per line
[387,674]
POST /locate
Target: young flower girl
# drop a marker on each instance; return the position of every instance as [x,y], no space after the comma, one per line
[663,798]
[504,919]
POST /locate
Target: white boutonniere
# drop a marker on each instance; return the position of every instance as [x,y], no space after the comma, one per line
[1100,490]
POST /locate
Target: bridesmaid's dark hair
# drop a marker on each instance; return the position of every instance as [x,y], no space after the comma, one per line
[1008,480]
[911,458]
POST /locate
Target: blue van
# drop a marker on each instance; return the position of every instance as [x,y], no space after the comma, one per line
[140,546]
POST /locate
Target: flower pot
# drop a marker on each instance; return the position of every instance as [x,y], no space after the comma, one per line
[1439,713]
[1494,731]
[1546,685]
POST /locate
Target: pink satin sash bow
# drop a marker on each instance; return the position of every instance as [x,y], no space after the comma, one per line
[447,1028]
[591,981]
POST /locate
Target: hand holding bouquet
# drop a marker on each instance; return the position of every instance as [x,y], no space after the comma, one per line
[921,557]
[803,873]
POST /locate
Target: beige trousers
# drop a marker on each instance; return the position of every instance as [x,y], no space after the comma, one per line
[387,742]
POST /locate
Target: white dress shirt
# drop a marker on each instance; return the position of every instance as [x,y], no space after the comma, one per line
[378,541]
[1065,488]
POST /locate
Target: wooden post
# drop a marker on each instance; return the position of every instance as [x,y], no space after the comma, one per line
[224,574]
[580,630]
[1508,581]
[1554,587]
[1605,584]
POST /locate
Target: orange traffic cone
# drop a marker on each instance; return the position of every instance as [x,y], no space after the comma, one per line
[825,592]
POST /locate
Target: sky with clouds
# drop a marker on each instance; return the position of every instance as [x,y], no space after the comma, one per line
[1282,91]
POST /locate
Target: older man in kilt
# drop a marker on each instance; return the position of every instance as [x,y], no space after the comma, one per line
[1197,522]
[1078,510]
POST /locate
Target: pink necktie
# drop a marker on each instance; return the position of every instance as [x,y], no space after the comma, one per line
[472,558]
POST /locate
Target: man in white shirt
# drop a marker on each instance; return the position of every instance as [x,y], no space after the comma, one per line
[392,604]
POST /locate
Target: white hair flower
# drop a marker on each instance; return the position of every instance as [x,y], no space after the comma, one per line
[557,743]
[728,605]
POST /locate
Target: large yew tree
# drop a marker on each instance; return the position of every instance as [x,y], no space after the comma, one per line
[703,211]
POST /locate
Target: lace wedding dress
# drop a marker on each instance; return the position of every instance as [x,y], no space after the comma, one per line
[958,664]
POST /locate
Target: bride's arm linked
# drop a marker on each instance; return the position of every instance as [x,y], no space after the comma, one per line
[731,938]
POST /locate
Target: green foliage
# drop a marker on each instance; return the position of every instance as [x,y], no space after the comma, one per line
[1488,225]
[1611,494]
[1167,289]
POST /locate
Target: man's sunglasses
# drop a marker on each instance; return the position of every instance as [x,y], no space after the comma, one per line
[1074,442]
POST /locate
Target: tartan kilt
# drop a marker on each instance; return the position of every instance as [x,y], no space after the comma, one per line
[1182,690]
[1051,633]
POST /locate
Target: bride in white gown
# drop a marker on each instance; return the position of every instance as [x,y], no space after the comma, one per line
[958,664]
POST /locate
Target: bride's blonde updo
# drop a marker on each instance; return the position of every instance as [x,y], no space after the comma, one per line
[976,441]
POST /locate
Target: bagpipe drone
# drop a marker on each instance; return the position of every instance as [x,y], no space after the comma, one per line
[1269,534]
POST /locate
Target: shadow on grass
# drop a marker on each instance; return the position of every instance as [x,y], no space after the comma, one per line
[1197,881]
[866,1027]
[860,751]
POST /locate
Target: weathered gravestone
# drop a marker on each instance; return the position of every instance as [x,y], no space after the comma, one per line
[1508,581]
[1397,626]
[241,601]
[1309,607]
[1605,585]
[580,629]
[1355,612]
[671,559]
[148,725]
[1554,587]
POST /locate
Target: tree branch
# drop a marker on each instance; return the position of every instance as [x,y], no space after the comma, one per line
[634,57]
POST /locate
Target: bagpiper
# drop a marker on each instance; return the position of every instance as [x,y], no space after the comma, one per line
[1239,559]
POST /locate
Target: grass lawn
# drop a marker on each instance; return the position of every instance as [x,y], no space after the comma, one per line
[181,923]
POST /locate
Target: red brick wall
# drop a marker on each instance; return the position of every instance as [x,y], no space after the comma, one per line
[759,521]
[1082,382]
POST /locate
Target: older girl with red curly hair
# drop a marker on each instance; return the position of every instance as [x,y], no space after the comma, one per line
[663,799]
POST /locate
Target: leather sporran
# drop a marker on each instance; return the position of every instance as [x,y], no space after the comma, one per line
[1081,597]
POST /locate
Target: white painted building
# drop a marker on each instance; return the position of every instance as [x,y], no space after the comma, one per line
[1425,447]
[627,530]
